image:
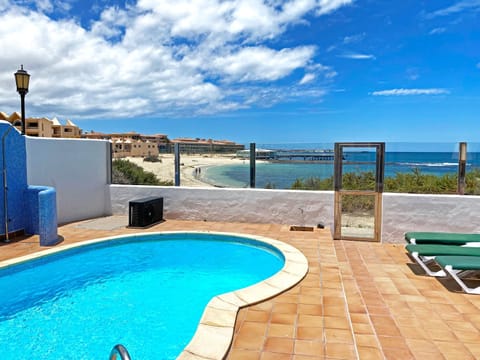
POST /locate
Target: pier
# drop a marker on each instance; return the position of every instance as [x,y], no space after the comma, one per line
[304,155]
[290,155]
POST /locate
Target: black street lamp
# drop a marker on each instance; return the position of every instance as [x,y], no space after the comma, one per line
[22,79]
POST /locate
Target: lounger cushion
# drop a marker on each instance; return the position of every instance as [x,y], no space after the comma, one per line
[437,250]
[459,262]
[441,238]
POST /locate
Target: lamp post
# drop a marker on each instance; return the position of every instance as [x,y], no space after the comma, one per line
[22,79]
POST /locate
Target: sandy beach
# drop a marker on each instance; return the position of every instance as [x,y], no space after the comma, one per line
[189,176]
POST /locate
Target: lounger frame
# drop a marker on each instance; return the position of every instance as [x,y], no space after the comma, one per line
[423,261]
[455,276]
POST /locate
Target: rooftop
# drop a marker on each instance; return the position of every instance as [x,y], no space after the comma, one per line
[359,300]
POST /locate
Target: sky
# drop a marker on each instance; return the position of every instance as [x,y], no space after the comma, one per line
[264,71]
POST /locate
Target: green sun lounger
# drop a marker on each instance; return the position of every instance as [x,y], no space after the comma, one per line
[454,265]
[444,238]
[425,254]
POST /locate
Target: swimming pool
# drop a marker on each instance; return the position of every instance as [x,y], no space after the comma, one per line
[147,292]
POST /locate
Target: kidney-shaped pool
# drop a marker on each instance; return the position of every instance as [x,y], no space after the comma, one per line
[147,292]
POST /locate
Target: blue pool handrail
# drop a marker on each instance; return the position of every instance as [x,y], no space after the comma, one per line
[119,352]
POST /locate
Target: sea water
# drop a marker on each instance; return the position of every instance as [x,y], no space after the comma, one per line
[282,175]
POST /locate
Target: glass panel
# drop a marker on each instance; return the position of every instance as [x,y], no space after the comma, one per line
[358,168]
[421,168]
[299,166]
[428,168]
[358,216]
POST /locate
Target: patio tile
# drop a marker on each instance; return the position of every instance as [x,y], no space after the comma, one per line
[385,325]
[340,351]
[257,316]
[453,350]
[238,354]
[310,309]
[310,320]
[422,346]
[335,310]
[360,328]
[370,353]
[275,356]
[280,330]
[309,347]
[400,354]
[285,319]
[414,332]
[279,345]
[392,342]
[336,322]
[285,308]
[304,357]
[474,349]
[366,340]
[339,336]
[310,333]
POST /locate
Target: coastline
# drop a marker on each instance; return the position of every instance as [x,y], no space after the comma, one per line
[165,170]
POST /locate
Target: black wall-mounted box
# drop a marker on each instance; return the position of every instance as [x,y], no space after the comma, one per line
[145,212]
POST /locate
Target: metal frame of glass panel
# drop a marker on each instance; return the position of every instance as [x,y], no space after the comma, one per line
[376,193]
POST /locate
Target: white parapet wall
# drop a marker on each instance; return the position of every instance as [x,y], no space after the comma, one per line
[293,207]
[401,212]
[422,212]
[78,169]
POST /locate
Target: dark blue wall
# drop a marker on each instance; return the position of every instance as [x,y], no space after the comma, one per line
[16,175]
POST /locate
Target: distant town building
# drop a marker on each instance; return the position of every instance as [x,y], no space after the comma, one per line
[132,144]
[43,127]
[133,148]
[201,146]
[157,139]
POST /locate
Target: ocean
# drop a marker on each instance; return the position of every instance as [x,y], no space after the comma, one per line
[281,175]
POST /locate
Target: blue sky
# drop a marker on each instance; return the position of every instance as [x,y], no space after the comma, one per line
[265,71]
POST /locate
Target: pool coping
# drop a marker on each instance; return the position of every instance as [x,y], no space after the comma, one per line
[214,334]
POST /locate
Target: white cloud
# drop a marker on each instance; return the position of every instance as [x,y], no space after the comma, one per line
[44,5]
[358,56]
[260,63]
[327,6]
[464,5]
[157,57]
[439,30]
[354,38]
[307,78]
[112,21]
[403,92]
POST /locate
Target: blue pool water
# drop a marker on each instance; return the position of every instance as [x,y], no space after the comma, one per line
[147,293]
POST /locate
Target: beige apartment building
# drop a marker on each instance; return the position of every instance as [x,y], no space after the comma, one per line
[136,148]
[131,143]
[43,127]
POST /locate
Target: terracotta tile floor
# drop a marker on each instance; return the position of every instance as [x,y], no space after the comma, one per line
[358,301]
